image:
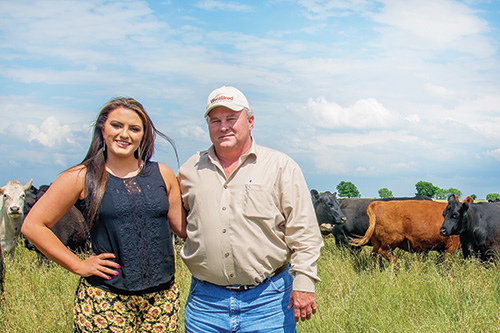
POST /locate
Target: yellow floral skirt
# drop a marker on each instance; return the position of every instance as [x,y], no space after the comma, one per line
[97,310]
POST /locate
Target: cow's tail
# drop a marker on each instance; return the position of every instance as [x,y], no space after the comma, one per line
[362,240]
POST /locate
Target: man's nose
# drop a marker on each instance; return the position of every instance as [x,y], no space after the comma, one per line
[224,126]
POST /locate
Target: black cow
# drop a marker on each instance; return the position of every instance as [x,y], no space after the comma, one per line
[328,212]
[71,229]
[478,225]
[357,220]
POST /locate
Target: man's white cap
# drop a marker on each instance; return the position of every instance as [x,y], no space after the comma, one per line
[230,97]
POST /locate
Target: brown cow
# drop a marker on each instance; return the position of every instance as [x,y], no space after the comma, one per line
[411,225]
[469,199]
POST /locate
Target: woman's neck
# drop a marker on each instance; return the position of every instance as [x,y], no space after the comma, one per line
[123,168]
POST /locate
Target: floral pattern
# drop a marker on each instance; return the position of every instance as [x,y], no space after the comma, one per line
[97,310]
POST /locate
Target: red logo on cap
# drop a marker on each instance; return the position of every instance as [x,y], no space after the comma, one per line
[221,98]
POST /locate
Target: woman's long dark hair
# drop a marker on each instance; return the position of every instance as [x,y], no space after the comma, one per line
[96,175]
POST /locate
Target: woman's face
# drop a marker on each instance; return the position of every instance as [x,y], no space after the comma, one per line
[122,132]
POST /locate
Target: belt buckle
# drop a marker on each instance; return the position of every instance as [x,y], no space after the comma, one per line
[239,287]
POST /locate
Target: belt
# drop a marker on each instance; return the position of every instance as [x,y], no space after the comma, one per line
[251,286]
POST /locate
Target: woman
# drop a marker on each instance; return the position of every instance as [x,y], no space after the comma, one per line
[131,205]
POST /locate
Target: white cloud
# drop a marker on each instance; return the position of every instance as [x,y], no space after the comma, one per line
[319,9]
[413,118]
[494,153]
[223,5]
[442,21]
[439,25]
[50,133]
[438,91]
[60,159]
[193,132]
[364,114]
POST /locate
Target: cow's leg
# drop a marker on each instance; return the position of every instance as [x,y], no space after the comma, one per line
[387,253]
[376,252]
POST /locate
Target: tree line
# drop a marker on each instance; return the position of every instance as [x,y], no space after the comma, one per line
[349,190]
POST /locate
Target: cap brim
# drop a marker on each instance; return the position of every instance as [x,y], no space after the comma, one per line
[235,108]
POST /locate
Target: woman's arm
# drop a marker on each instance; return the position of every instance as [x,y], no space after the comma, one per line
[176,212]
[59,198]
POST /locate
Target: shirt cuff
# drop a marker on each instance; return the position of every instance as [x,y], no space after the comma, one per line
[302,282]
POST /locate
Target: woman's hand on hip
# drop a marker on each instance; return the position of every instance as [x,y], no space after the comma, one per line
[98,265]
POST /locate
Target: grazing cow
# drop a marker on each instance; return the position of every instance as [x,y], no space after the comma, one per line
[357,220]
[411,225]
[477,224]
[327,209]
[12,210]
[71,229]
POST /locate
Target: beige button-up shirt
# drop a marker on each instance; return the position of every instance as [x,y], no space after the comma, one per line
[242,228]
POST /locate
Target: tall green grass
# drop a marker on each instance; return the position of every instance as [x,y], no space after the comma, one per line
[421,293]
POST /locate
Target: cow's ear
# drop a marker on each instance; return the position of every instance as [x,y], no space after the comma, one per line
[314,194]
[28,185]
[463,209]
[335,195]
[452,198]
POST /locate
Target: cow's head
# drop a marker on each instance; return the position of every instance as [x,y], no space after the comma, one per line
[13,195]
[327,209]
[454,217]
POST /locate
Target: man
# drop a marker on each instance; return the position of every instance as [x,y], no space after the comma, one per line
[251,227]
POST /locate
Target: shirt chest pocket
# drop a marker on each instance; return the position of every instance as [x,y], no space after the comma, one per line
[260,203]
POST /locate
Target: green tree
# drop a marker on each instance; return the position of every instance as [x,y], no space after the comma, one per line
[426,188]
[348,189]
[440,194]
[385,193]
[492,196]
[473,196]
[452,190]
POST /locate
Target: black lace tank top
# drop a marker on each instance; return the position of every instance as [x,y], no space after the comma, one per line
[133,225]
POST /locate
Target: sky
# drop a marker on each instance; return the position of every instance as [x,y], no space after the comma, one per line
[382,94]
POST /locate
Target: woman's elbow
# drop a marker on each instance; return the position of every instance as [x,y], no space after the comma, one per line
[26,228]
[182,234]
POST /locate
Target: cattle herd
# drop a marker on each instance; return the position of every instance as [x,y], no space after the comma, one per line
[17,200]
[416,224]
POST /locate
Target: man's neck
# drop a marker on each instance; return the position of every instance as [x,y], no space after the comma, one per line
[229,160]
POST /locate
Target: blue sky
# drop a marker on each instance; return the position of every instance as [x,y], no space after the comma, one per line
[378,93]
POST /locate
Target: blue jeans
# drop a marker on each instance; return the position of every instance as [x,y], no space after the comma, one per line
[212,308]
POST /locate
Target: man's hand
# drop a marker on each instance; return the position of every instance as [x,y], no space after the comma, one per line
[304,305]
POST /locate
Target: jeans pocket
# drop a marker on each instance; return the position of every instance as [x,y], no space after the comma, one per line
[194,284]
[283,284]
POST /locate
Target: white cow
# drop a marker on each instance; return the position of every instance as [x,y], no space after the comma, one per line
[12,204]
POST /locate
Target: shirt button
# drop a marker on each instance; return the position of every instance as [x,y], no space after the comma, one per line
[224,231]
[226,254]
[225,186]
[223,208]
[231,275]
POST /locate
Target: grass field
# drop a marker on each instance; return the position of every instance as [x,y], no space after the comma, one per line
[423,294]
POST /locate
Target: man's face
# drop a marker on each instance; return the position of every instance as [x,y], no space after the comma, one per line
[230,130]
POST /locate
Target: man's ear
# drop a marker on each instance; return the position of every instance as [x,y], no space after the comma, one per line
[251,121]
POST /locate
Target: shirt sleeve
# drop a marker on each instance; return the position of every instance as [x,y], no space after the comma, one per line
[302,235]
